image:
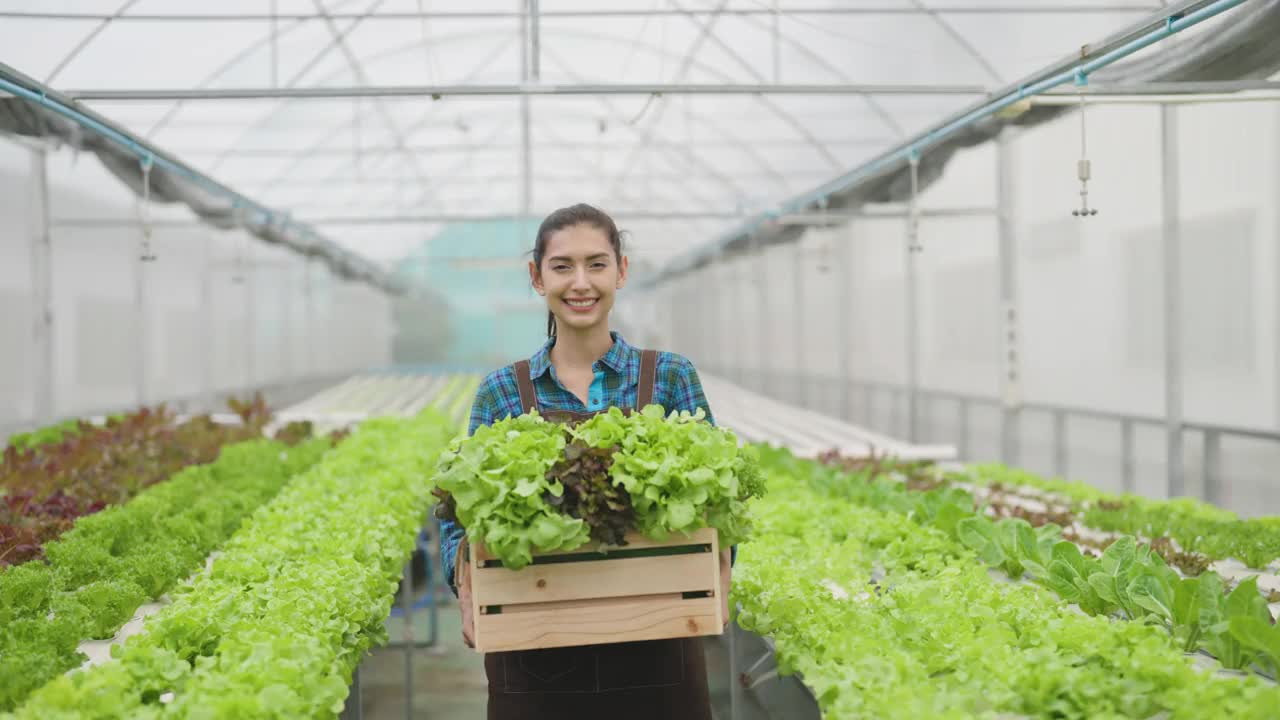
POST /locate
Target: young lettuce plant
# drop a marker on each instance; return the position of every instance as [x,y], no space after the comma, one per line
[1260,636]
[1241,607]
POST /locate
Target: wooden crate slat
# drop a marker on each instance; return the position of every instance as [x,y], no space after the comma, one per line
[593,579]
[599,622]
[599,600]
[635,541]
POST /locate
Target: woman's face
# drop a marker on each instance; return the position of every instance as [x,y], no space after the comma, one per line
[579,276]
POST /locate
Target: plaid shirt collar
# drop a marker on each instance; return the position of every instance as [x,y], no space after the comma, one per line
[617,359]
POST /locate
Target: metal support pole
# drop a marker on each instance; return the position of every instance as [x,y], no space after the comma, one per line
[142,339]
[275,45]
[41,292]
[742,284]
[535,41]
[897,396]
[353,708]
[207,399]
[286,324]
[763,383]
[310,333]
[1172,320]
[800,393]
[736,700]
[529,73]
[913,339]
[406,609]
[1010,380]
[719,322]
[1127,468]
[777,44]
[844,316]
[1060,458]
[250,321]
[1213,484]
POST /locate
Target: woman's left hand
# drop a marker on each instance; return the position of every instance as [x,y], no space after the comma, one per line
[726,571]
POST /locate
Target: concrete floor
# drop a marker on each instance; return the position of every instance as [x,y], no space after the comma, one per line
[448,679]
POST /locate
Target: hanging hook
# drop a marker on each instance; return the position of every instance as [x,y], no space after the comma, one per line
[1084,169]
[144,209]
[237,274]
[913,207]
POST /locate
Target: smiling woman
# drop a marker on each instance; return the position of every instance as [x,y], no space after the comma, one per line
[583,370]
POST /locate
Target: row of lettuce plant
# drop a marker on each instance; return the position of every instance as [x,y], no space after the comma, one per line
[888,617]
[1129,580]
[96,575]
[47,483]
[1196,526]
[278,624]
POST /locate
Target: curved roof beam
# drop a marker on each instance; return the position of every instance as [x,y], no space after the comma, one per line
[429,185]
[687,61]
[442,39]
[825,64]
[592,162]
[337,42]
[961,40]
[786,117]
[357,68]
[586,160]
[80,46]
[282,175]
[689,153]
[229,65]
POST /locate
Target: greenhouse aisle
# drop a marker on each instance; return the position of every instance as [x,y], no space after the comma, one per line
[448,680]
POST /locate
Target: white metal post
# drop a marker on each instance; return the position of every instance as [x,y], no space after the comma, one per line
[717,321]
[801,396]
[308,365]
[250,319]
[286,326]
[742,279]
[762,307]
[42,292]
[141,365]
[1172,321]
[208,337]
[912,327]
[529,71]
[844,314]
[1011,377]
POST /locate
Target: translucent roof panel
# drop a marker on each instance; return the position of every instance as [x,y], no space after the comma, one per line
[382,174]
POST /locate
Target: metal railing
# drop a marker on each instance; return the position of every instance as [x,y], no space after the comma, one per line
[862,399]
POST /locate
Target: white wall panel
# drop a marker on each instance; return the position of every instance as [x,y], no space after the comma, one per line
[197,319]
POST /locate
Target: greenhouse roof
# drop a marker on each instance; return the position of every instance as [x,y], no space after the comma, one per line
[378,122]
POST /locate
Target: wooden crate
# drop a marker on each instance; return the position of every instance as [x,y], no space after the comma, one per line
[644,590]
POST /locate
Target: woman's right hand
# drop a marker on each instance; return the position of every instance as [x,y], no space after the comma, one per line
[462,580]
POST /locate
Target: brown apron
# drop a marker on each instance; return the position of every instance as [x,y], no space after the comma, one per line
[647,680]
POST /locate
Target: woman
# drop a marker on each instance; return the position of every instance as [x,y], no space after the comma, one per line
[583,369]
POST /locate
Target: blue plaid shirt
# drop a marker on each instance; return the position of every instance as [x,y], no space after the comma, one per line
[617,377]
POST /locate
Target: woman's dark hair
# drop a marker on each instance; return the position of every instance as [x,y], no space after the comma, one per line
[580,214]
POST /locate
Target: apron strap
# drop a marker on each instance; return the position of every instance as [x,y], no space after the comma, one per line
[648,378]
[528,398]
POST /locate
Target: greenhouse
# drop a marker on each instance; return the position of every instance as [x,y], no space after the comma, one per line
[708,359]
